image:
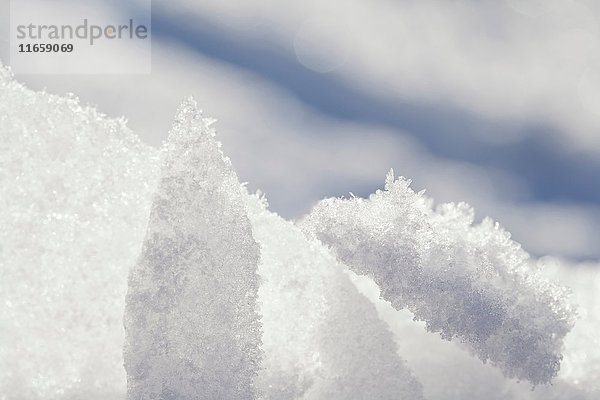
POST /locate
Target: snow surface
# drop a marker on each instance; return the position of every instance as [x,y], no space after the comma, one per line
[192,331]
[79,191]
[469,282]
[322,338]
[76,189]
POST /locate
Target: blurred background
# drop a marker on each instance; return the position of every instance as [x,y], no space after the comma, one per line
[495,103]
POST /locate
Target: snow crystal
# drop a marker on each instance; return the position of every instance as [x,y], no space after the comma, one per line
[322,338]
[448,371]
[192,331]
[76,189]
[77,193]
[465,281]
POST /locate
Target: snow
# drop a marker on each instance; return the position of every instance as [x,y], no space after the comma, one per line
[322,338]
[84,204]
[192,331]
[76,189]
[469,282]
[581,363]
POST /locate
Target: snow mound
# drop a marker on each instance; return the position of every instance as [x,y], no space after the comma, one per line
[322,338]
[76,189]
[469,282]
[80,192]
[192,331]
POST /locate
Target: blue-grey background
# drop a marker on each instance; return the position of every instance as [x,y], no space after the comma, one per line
[496,103]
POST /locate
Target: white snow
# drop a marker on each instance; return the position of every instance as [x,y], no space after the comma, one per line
[322,338]
[469,282]
[76,189]
[192,331]
[78,192]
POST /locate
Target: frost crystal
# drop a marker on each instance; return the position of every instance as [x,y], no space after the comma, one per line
[466,281]
[192,331]
[322,338]
[76,189]
[76,195]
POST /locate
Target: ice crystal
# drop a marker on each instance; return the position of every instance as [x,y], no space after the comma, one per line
[192,331]
[76,188]
[469,282]
[77,193]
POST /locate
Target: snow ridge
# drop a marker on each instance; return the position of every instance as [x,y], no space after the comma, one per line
[469,282]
